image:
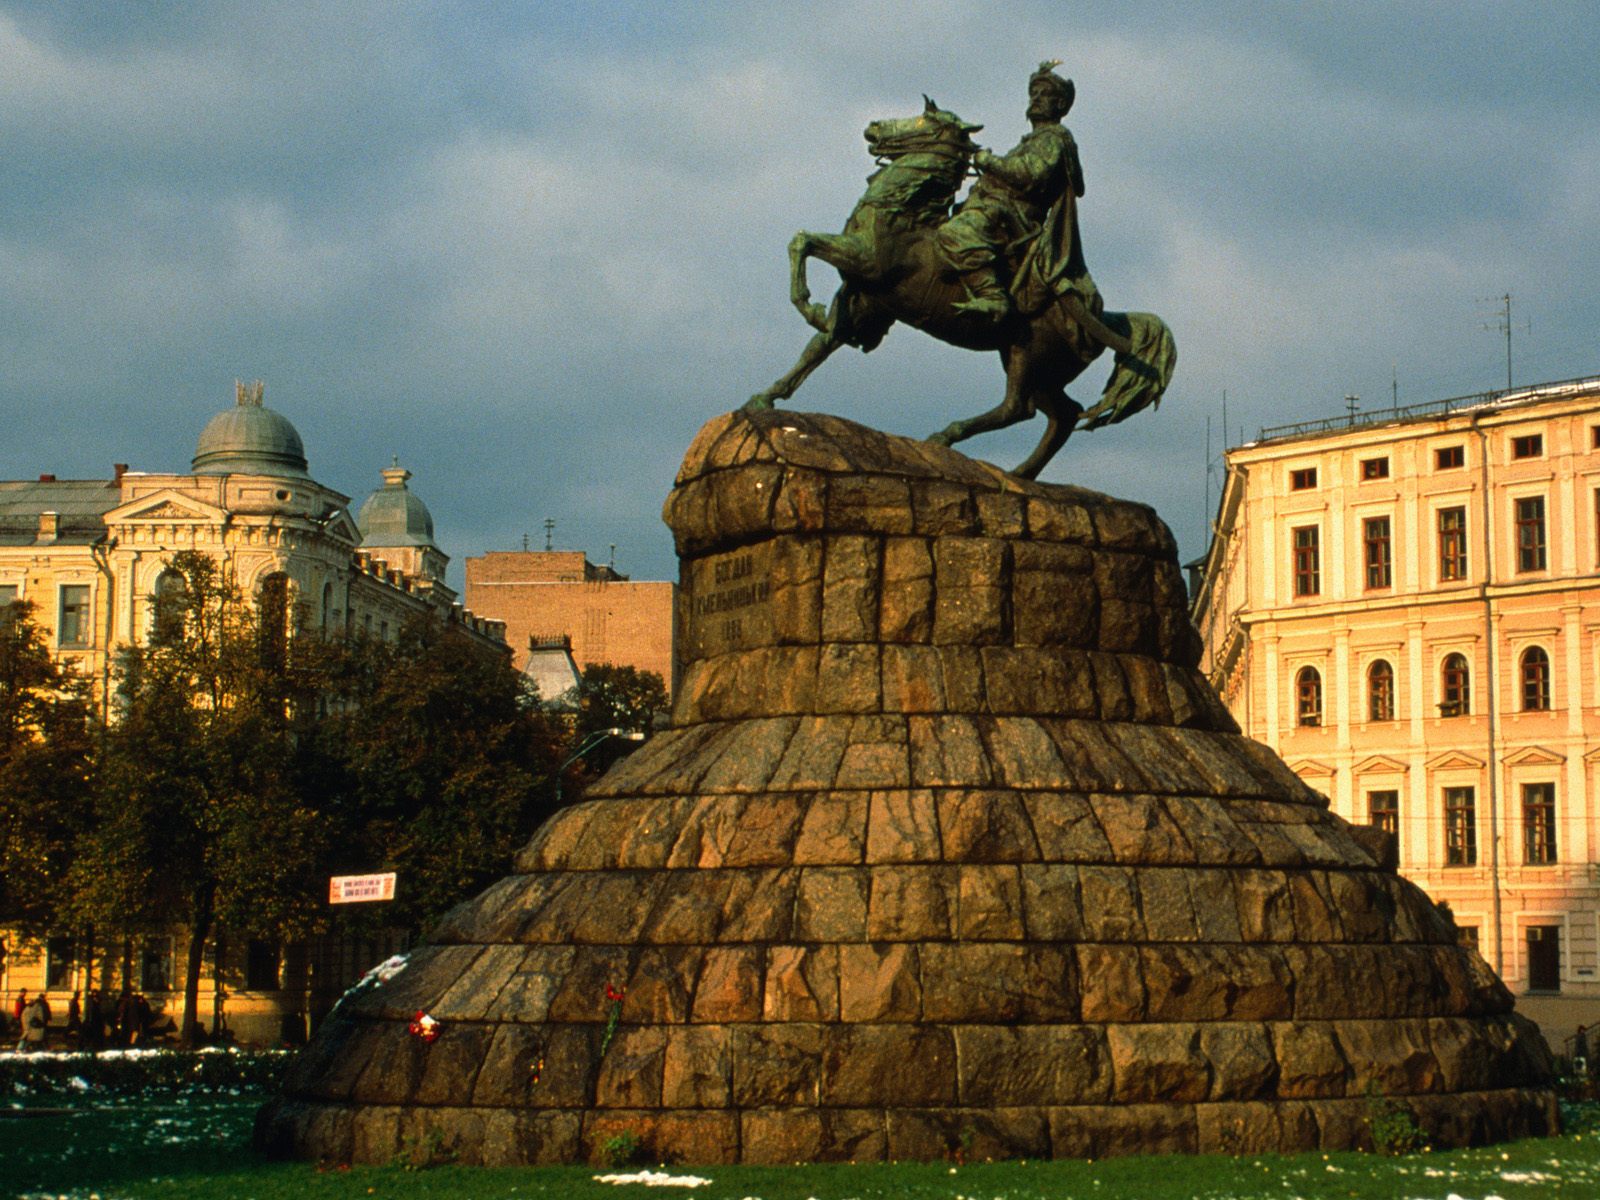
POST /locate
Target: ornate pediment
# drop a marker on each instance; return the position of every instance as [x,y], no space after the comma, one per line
[1304,767]
[1380,763]
[1455,760]
[166,505]
[343,527]
[1534,756]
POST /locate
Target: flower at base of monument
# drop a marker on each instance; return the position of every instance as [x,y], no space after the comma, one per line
[614,995]
[536,1071]
[425,1027]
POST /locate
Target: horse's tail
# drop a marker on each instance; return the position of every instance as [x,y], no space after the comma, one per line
[1138,379]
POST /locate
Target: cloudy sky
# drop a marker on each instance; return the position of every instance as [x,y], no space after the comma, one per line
[530,248]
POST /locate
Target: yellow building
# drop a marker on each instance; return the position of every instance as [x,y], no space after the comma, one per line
[90,556]
[1405,605]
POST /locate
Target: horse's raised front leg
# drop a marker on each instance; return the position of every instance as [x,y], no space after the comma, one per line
[799,288]
[1061,417]
[813,356]
[1009,411]
[853,255]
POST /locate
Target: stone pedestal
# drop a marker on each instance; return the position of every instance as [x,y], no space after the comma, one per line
[949,850]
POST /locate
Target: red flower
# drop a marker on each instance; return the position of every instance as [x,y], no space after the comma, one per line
[425,1027]
[615,995]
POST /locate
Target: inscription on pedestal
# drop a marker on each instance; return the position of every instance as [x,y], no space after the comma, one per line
[727,601]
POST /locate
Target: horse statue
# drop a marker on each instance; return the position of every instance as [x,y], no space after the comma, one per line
[893,270]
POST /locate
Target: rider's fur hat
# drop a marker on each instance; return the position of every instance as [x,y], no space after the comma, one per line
[1062,89]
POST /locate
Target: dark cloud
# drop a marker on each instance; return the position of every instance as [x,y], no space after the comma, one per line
[530,248]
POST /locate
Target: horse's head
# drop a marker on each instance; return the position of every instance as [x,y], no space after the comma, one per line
[934,129]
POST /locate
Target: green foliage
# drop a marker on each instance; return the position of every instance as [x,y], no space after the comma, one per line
[621,1150]
[619,697]
[613,697]
[437,766]
[1394,1129]
[422,1151]
[47,748]
[200,1148]
[143,1073]
[246,761]
[199,814]
[1580,1117]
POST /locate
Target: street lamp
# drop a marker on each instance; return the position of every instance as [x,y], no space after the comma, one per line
[589,743]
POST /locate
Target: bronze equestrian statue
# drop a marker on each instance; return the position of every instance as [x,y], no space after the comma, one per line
[1004,272]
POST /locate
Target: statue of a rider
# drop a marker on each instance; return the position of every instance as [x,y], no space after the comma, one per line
[1031,192]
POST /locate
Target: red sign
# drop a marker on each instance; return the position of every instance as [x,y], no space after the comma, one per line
[357,889]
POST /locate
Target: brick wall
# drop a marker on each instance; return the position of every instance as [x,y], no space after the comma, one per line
[552,593]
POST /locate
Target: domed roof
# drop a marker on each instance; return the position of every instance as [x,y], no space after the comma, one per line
[394,515]
[250,439]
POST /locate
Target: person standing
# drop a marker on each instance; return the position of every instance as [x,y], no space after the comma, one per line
[94,1022]
[35,1023]
[16,1009]
[74,1022]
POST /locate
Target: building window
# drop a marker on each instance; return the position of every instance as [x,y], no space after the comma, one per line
[261,966]
[1448,458]
[1452,544]
[8,591]
[1467,935]
[155,965]
[1530,534]
[1539,823]
[1383,811]
[1374,468]
[272,609]
[1534,673]
[1455,690]
[1460,827]
[1529,446]
[1307,562]
[1544,958]
[1380,691]
[167,607]
[1303,479]
[1308,697]
[1594,437]
[58,960]
[1379,556]
[72,633]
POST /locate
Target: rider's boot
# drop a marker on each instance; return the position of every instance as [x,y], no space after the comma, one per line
[988,298]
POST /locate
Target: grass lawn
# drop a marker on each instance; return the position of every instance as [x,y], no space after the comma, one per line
[117,1150]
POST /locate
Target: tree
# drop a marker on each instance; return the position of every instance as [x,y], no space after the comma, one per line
[444,766]
[199,816]
[47,767]
[615,697]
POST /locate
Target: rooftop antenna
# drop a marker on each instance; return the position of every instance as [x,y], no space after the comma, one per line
[1501,323]
[549,533]
[1394,386]
[524,543]
[1351,405]
[612,562]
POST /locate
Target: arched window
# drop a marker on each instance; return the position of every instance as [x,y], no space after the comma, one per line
[1380,691]
[1308,697]
[272,609]
[328,615]
[1455,687]
[1534,673]
[167,606]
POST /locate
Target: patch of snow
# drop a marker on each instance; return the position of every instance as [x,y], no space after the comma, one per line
[655,1179]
